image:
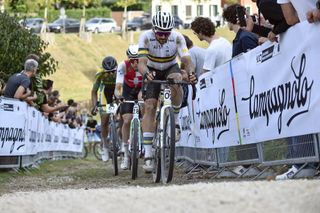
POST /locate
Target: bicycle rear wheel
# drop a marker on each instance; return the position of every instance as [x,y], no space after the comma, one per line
[168,148]
[97,149]
[156,172]
[114,141]
[135,148]
[84,151]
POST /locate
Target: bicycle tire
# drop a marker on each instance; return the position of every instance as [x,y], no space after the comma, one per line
[84,152]
[135,149]
[114,141]
[168,148]
[156,172]
[97,150]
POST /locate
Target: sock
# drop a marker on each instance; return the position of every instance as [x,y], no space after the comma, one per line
[176,111]
[147,143]
[126,150]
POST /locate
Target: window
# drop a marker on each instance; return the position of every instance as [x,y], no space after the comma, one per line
[174,10]
[189,11]
[213,10]
[248,9]
[199,10]
[158,8]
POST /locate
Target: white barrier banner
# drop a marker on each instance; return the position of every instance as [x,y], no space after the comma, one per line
[271,92]
[278,94]
[13,117]
[32,130]
[25,131]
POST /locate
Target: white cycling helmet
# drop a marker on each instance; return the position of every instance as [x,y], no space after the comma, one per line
[163,21]
[132,51]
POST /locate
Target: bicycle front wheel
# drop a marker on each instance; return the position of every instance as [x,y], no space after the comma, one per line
[168,148]
[97,149]
[114,141]
[156,172]
[135,148]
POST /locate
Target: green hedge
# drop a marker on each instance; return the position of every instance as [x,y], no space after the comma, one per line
[74,13]
[77,13]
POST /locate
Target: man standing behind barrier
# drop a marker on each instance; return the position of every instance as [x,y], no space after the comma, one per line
[19,83]
[219,50]
[272,12]
[297,10]
[197,55]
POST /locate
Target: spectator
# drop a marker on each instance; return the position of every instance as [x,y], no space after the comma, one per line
[296,10]
[244,40]
[197,56]
[219,50]
[313,15]
[272,12]
[19,83]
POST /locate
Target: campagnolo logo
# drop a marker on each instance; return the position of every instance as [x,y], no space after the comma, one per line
[294,96]
[216,118]
[12,135]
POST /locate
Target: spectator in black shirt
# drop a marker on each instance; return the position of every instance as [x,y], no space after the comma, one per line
[19,83]
[272,12]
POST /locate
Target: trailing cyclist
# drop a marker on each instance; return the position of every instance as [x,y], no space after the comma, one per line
[104,85]
[128,86]
[158,49]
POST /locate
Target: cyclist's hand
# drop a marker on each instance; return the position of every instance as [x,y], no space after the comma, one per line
[150,76]
[94,111]
[193,78]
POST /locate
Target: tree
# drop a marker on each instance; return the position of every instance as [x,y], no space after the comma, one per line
[125,4]
[15,44]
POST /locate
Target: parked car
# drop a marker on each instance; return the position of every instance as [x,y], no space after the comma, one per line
[34,25]
[67,25]
[99,25]
[139,23]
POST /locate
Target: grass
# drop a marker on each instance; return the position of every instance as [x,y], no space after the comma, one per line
[79,60]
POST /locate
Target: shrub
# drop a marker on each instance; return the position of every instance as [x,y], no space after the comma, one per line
[15,44]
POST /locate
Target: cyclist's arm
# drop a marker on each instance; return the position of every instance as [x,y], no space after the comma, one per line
[119,80]
[94,96]
[184,54]
[143,54]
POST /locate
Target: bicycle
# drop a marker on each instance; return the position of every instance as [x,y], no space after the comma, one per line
[135,138]
[96,148]
[111,110]
[164,140]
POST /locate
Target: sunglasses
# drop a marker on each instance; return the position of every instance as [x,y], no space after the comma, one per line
[162,33]
[133,60]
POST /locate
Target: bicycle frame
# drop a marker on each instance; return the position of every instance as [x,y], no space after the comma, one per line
[136,116]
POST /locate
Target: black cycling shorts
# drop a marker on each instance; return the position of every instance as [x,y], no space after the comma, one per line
[129,94]
[152,89]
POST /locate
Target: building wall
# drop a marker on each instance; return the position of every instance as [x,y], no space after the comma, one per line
[208,8]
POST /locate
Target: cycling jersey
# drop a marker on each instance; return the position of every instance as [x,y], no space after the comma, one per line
[126,74]
[162,57]
[104,85]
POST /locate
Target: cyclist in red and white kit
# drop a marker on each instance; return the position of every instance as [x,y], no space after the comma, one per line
[128,86]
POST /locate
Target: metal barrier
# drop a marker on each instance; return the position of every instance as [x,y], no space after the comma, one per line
[258,158]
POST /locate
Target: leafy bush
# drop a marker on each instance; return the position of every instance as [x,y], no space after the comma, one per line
[77,13]
[15,44]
